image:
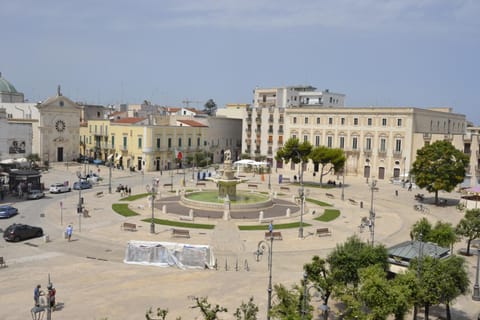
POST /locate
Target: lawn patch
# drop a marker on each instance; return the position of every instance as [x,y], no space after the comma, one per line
[123,209]
[329,215]
[318,202]
[135,197]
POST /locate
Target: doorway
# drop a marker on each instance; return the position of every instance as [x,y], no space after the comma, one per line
[60,154]
[381,173]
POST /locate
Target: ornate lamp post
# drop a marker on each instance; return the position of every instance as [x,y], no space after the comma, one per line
[80,201]
[262,246]
[476,287]
[306,290]
[110,164]
[343,184]
[152,191]
[301,193]
[372,212]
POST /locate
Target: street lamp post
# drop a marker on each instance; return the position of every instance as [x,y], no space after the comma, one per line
[476,287]
[110,164]
[372,213]
[80,202]
[262,246]
[419,270]
[301,193]
[343,184]
[269,177]
[306,290]
[152,191]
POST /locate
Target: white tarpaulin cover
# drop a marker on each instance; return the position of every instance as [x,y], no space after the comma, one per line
[168,254]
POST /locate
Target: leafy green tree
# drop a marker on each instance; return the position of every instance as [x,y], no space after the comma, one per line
[247,311]
[381,296]
[443,233]
[294,151]
[439,166]
[208,311]
[346,259]
[286,304]
[453,281]
[469,226]
[210,107]
[331,158]
[421,227]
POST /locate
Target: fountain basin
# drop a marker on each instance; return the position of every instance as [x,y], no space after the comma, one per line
[209,199]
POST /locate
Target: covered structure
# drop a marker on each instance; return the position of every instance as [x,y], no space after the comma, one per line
[400,255]
[169,254]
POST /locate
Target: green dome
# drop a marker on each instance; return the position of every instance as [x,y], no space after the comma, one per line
[5,86]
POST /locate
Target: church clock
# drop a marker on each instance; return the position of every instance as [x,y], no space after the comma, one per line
[60,125]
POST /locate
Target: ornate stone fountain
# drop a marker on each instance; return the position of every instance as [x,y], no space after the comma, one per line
[227,182]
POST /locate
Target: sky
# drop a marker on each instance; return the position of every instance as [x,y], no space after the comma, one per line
[420,53]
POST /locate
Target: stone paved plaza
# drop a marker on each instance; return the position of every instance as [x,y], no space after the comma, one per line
[93,282]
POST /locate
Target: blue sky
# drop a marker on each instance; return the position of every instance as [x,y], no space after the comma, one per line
[418,53]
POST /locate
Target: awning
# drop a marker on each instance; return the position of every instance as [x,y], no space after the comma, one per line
[109,158]
[119,157]
[397,269]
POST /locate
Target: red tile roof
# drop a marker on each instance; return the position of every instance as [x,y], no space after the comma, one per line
[192,123]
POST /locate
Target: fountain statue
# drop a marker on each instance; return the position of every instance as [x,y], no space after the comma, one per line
[227,182]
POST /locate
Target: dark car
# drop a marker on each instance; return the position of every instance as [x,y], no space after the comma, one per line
[82,185]
[7,211]
[17,232]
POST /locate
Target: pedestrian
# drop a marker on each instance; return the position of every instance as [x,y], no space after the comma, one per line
[396,193]
[51,295]
[36,295]
[129,191]
[410,187]
[69,232]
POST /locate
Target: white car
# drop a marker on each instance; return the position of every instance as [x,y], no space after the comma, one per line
[35,194]
[59,188]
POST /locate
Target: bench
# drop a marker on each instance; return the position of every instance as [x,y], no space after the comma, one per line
[286,179]
[127,226]
[201,184]
[276,235]
[329,195]
[284,188]
[323,232]
[99,194]
[186,218]
[167,185]
[253,186]
[180,233]
[354,202]
[2,262]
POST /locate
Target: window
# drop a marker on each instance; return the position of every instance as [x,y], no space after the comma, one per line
[368,144]
[342,142]
[169,142]
[113,142]
[180,142]
[384,122]
[369,121]
[124,142]
[139,142]
[189,142]
[306,120]
[342,121]
[330,120]
[383,144]
[158,143]
[354,143]
[198,142]
[330,141]
[294,136]
[355,121]
[399,122]
[398,145]
[318,120]
[294,120]
[305,138]
[317,141]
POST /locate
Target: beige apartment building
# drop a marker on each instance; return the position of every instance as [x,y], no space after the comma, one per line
[379,142]
[135,144]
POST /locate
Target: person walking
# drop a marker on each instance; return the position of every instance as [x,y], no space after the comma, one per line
[51,295]
[36,295]
[69,232]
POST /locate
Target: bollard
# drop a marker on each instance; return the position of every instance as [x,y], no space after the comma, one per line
[361,204]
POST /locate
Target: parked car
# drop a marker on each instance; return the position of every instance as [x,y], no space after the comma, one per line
[17,232]
[82,185]
[7,211]
[35,194]
[59,188]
